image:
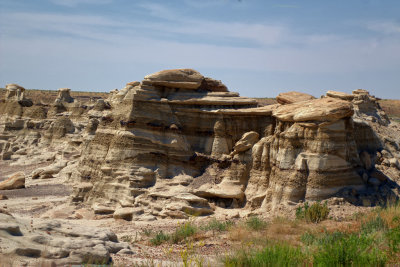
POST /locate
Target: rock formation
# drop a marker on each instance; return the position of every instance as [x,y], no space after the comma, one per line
[231,152]
[178,144]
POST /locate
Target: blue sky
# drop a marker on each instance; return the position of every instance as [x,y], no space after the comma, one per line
[256,47]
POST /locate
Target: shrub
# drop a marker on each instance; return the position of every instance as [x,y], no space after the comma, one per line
[183,232]
[255,223]
[159,238]
[315,213]
[271,255]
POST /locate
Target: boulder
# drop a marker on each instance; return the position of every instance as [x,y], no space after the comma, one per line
[15,181]
[325,109]
[293,97]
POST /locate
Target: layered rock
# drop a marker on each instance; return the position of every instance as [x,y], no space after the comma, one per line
[169,125]
[176,123]
[293,97]
[179,144]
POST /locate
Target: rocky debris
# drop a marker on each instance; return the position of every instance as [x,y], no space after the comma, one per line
[57,242]
[64,96]
[293,97]
[15,181]
[3,197]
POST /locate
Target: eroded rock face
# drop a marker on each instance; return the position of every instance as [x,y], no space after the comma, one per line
[235,153]
[179,144]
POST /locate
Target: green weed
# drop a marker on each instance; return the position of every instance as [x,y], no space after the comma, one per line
[315,213]
[160,238]
[271,255]
[183,232]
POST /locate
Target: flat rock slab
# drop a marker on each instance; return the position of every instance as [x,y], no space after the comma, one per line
[324,109]
[293,97]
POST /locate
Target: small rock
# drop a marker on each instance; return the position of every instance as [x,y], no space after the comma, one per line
[3,197]
[125,251]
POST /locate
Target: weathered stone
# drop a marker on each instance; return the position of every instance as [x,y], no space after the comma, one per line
[325,109]
[15,181]
[293,97]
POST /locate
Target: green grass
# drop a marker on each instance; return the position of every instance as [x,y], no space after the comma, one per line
[315,213]
[271,255]
[349,250]
[255,223]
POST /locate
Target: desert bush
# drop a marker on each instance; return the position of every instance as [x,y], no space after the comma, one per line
[183,232]
[315,213]
[255,223]
[271,255]
[160,238]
